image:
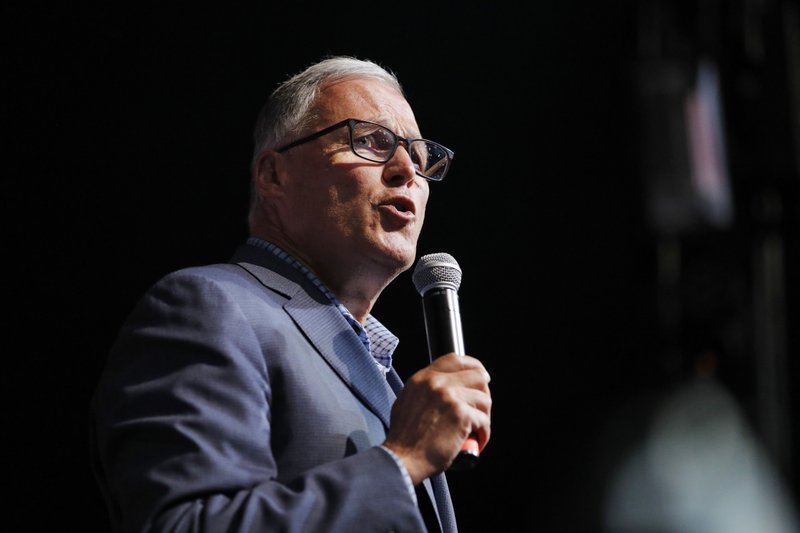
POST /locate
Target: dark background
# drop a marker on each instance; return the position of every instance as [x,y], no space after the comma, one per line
[128,143]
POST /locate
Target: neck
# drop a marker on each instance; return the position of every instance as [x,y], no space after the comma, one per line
[357,290]
[357,285]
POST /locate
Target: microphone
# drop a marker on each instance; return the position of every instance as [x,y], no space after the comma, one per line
[437,278]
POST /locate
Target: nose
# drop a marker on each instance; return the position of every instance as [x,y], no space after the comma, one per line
[400,169]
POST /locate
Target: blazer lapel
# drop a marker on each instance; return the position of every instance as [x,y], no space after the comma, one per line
[324,326]
[444,504]
[336,341]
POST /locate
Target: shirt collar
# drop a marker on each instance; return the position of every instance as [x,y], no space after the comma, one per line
[379,341]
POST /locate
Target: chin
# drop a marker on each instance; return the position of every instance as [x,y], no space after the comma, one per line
[401,257]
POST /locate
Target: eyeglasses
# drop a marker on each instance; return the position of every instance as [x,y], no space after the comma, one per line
[378,144]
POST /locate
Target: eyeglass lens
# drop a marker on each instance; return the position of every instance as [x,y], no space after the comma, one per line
[377,143]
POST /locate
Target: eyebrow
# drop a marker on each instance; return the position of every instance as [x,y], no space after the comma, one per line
[387,122]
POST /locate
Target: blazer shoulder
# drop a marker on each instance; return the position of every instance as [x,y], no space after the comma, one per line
[234,276]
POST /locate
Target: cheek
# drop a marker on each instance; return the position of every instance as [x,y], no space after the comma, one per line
[346,206]
[423,202]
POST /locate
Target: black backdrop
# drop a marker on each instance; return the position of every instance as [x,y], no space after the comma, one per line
[127,156]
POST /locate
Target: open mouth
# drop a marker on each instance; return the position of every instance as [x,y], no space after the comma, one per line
[401,204]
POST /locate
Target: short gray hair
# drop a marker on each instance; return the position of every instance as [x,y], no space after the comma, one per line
[289,108]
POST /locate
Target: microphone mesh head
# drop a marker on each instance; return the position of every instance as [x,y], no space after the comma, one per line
[436,270]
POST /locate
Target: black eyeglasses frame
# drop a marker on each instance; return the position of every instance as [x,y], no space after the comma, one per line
[350,122]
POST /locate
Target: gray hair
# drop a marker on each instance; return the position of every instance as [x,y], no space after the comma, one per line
[289,108]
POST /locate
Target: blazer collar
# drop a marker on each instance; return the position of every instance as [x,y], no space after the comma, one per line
[324,325]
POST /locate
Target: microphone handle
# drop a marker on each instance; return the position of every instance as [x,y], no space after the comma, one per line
[443,329]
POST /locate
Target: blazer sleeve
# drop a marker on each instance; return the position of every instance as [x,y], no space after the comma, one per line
[181,423]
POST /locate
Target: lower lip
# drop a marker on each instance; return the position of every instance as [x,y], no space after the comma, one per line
[405,216]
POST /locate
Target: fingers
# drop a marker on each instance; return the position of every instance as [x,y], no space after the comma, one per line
[468,377]
[439,408]
[453,361]
[462,380]
[475,405]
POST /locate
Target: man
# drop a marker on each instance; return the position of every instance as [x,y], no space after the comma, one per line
[258,395]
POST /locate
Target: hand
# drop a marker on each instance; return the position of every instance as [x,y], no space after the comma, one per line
[439,407]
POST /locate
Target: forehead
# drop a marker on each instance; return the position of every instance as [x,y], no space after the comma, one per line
[367,99]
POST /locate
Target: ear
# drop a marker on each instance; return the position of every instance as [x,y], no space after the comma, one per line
[268,176]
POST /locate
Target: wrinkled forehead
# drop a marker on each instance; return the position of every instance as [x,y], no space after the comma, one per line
[365,98]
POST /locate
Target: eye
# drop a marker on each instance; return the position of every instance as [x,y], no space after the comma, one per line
[383,139]
[373,138]
[362,140]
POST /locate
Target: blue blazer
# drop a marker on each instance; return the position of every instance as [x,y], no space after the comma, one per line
[237,398]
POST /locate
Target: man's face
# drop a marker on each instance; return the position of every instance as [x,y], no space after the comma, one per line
[340,209]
